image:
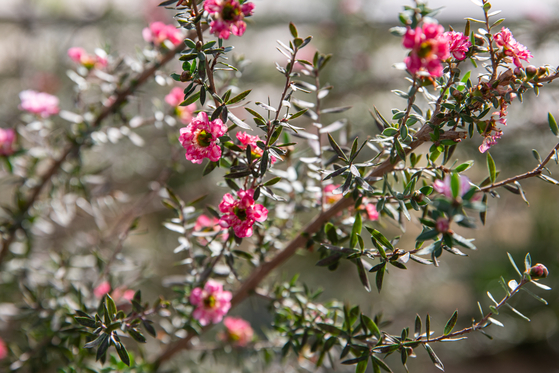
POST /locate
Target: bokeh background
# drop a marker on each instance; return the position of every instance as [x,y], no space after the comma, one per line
[36,35]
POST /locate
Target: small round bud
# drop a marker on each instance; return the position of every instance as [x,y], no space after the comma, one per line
[538,271]
[186,76]
[518,72]
[531,71]
[199,45]
[542,71]
[480,40]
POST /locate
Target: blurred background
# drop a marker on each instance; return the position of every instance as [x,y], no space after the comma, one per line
[36,35]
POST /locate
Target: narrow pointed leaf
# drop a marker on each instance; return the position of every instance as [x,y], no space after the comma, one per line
[451,323]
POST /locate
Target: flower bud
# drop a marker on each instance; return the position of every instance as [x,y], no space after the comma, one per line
[458,96]
[199,45]
[538,271]
[531,71]
[186,76]
[542,71]
[480,40]
[442,225]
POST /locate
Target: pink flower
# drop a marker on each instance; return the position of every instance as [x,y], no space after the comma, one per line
[122,293]
[174,98]
[3,349]
[80,56]
[102,289]
[444,188]
[490,140]
[200,138]
[39,103]
[372,212]
[241,213]
[239,331]
[158,32]
[429,46]
[7,139]
[255,150]
[206,224]
[330,197]
[511,47]
[212,303]
[459,44]
[228,17]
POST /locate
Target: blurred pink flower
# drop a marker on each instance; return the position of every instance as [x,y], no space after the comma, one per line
[459,44]
[330,197]
[239,331]
[123,293]
[241,214]
[372,212]
[256,151]
[212,302]
[207,224]
[200,138]
[39,103]
[102,289]
[174,98]
[429,46]
[80,56]
[228,17]
[490,140]
[442,225]
[444,188]
[511,47]
[7,139]
[158,32]
[3,349]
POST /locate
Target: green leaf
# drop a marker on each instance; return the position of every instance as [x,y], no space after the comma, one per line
[491,167]
[451,323]
[381,363]
[553,124]
[370,325]
[417,331]
[210,166]
[121,350]
[111,306]
[380,277]
[192,99]
[434,358]
[297,114]
[293,30]
[380,238]
[362,274]
[138,337]
[241,96]
[357,226]
[330,329]
[86,321]
[514,264]
[337,148]
[464,166]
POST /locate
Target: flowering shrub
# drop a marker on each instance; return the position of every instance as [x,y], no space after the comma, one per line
[290,175]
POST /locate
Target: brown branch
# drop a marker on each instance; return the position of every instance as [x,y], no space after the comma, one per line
[121,97]
[535,172]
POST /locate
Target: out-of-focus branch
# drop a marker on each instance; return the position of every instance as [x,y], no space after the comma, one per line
[121,97]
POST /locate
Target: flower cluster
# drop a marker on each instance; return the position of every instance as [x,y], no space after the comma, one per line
[239,332]
[200,138]
[39,103]
[79,55]
[228,17]
[184,113]
[158,32]
[511,47]
[212,302]
[255,150]
[240,214]
[7,139]
[458,44]
[429,46]
[443,186]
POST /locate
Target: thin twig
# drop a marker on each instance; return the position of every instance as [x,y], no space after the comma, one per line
[535,172]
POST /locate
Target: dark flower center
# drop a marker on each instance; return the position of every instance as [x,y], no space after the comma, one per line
[425,49]
[204,139]
[230,12]
[240,213]
[209,302]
